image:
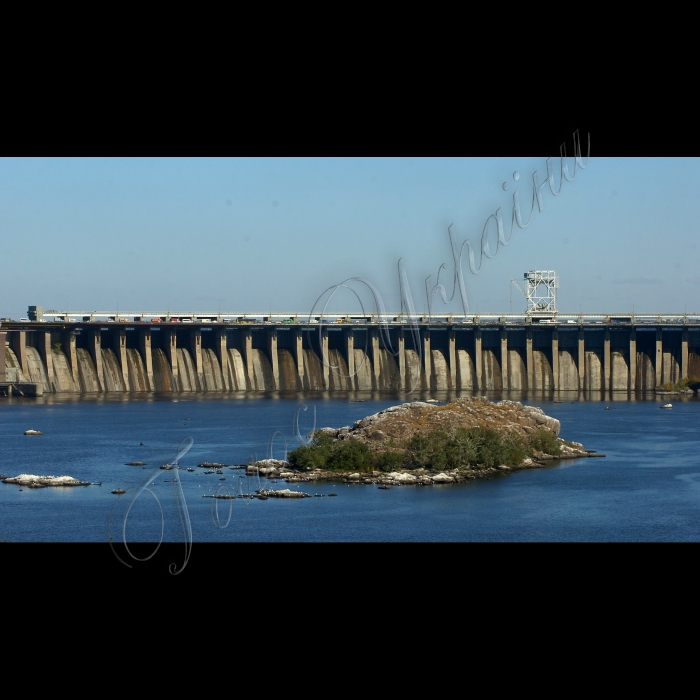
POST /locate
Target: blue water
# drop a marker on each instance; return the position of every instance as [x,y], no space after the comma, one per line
[647,488]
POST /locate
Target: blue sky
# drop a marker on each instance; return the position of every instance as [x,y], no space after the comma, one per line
[254,234]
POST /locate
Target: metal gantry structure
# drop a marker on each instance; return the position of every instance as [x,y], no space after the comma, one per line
[540,291]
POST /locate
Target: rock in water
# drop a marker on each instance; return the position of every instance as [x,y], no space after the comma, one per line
[35,481]
[284,493]
[33,432]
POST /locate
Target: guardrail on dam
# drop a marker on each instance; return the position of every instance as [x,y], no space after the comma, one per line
[536,354]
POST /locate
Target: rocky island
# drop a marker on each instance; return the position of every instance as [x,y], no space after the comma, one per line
[35,482]
[421,443]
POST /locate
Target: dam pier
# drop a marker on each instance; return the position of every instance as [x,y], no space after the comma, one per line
[268,353]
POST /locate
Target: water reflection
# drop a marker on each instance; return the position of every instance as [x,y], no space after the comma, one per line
[567,396]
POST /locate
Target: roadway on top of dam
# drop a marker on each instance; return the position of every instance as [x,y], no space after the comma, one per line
[78,320]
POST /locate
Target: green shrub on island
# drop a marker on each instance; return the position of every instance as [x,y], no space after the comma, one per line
[336,455]
[467,447]
[350,456]
[683,384]
[314,455]
[544,441]
[691,383]
[390,461]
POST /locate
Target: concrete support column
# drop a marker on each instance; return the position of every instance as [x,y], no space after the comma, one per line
[18,343]
[376,360]
[71,355]
[46,352]
[658,364]
[581,361]
[607,384]
[478,358]
[350,353]
[120,352]
[299,357]
[555,359]
[684,354]
[3,358]
[274,360]
[171,354]
[427,360]
[325,359]
[248,351]
[530,360]
[222,353]
[145,343]
[633,360]
[95,349]
[196,351]
[402,360]
[452,345]
[505,382]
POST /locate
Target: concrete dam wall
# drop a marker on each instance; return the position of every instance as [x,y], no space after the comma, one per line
[127,359]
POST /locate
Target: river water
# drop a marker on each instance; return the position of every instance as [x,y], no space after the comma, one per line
[647,488]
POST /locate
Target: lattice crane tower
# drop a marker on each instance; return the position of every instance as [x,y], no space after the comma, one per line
[541,291]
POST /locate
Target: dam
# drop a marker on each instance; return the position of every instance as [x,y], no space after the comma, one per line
[590,353]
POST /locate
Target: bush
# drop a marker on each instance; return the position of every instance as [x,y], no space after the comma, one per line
[389,461]
[313,456]
[57,347]
[544,441]
[350,455]
[436,450]
[307,458]
[491,449]
[516,450]
[427,450]
[467,447]
[326,453]
[461,449]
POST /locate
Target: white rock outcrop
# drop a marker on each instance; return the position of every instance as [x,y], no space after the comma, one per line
[283,493]
[401,478]
[542,419]
[34,480]
[442,478]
